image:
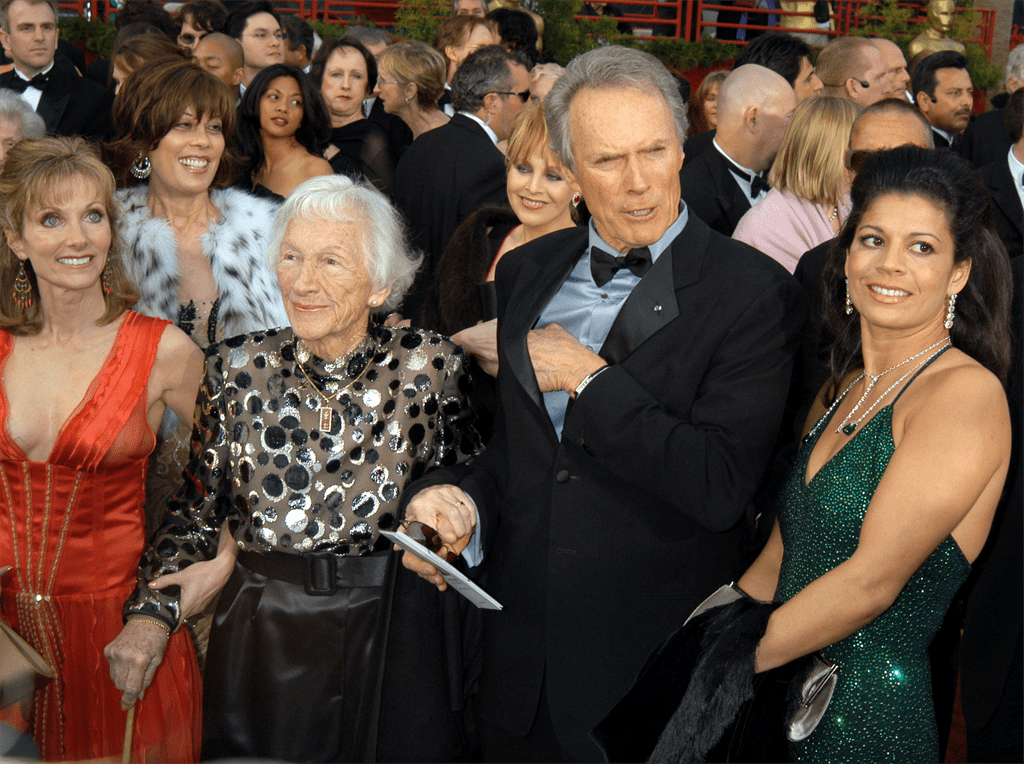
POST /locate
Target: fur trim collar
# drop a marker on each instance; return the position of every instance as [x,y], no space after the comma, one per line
[250,299]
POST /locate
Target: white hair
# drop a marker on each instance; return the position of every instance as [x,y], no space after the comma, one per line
[1015,64]
[339,199]
[14,108]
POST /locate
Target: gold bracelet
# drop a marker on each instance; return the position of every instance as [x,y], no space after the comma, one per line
[154,621]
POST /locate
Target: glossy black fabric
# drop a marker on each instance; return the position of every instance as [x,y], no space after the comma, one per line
[985,139]
[364,152]
[399,134]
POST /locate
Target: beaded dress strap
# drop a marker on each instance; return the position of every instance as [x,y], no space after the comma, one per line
[918,374]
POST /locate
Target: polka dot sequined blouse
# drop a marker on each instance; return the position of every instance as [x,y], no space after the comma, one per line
[262,460]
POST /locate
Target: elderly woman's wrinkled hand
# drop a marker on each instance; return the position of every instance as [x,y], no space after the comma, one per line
[448,510]
[134,657]
[481,342]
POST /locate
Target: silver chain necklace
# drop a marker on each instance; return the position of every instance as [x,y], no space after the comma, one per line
[849,425]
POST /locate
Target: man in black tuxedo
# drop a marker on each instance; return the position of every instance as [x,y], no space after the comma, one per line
[754,108]
[943,92]
[643,363]
[455,169]
[985,138]
[1003,178]
[68,103]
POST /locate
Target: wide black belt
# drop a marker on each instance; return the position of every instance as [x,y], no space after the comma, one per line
[320,574]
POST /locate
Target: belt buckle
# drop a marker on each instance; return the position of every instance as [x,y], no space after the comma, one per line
[321,574]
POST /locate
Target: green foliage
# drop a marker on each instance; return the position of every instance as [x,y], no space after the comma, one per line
[94,36]
[420,19]
[681,55]
[325,30]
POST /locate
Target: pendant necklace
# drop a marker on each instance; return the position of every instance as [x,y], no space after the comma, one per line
[325,408]
[849,425]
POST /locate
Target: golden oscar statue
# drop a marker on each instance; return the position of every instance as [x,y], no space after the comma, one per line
[934,39]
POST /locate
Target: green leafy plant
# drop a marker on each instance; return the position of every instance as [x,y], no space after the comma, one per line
[95,36]
[420,19]
[326,29]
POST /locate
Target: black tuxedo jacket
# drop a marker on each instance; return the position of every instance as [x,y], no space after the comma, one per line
[599,544]
[942,143]
[985,138]
[1007,213]
[697,144]
[446,174]
[71,104]
[710,191]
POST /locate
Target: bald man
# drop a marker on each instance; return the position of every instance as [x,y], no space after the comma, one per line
[853,68]
[755,106]
[222,57]
[895,68]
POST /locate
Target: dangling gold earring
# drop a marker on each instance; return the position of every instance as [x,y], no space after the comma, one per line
[105,278]
[22,288]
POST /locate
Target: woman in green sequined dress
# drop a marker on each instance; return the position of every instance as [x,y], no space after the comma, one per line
[904,458]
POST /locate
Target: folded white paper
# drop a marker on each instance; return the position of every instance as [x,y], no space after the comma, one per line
[451,575]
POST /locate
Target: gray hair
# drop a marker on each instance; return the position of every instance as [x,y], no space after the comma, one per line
[484,71]
[609,67]
[368,35]
[1015,64]
[339,199]
[13,108]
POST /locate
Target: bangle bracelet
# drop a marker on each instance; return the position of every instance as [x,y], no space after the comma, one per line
[154,621]
[586,381]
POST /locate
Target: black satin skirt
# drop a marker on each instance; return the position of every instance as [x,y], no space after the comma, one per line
[363,674]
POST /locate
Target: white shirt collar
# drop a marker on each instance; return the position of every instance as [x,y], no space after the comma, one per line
[944,134]
[743,183]
[490,133]
[1017,173]
[19,73]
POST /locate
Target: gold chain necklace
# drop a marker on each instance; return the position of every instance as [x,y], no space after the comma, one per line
[325,408]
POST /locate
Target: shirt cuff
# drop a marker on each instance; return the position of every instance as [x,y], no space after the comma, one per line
[473,554]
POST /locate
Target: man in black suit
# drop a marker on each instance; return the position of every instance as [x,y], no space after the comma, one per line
[985,138]
[68,103]
[1003,178]
[754,108]
[943,92]
[455,169]
[643,365]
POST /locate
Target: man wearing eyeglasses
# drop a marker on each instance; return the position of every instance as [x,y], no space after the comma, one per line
[257,27]
[455,169]
[853,68]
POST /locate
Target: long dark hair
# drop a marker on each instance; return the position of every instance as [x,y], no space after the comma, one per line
[314,130]
[982,325]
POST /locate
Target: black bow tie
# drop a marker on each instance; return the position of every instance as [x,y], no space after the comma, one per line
[19,85]
[758,183]
[604,265]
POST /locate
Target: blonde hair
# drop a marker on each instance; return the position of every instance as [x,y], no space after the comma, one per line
[530,134]
[35,172]
[414,62]
[810,162]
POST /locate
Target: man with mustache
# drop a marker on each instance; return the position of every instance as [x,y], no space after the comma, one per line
[943,92]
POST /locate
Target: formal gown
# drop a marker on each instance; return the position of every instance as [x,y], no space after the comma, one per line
[72,527]
[882,708]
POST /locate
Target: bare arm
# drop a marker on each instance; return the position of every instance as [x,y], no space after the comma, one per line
[176,376]
[762,577]
[929,491]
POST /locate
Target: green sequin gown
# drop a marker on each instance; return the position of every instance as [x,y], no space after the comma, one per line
[882,708]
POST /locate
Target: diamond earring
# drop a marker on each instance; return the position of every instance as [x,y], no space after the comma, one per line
[950,312]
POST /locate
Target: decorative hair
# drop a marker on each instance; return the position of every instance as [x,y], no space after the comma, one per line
[982,326]
[207,15]
[14,109]
[811,159]
[782,53]
[238,19]
[314,131]
[327,48]
[36,172]
[842,60]
[484,71]
[416,63]
[339,199]
[1014,119]
[151,103]
[698,119]
[454,31]
[133,51]
[925,80]
[5,7]
[609,67]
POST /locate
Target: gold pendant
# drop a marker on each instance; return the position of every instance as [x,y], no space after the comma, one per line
[325,418]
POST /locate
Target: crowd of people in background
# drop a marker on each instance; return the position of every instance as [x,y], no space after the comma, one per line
[604,342]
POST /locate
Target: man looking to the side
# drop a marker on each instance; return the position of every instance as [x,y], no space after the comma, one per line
[943,92]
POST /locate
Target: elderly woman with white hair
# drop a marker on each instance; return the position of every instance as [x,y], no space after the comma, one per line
[17,121]
[304,440]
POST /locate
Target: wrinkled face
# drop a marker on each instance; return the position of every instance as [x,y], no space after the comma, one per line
[66,239]
[186,159]
[344,83]
[326,289]
[874,74]
[711,106]
[212,57]
[895,67]
[262,41]
[953,101]
[900,265]
[627,157]
[511,105]
[281,109]
[538,192]
[190,35]
[10,133]
[390,92]
[808,83]
[940,14]
[32,39]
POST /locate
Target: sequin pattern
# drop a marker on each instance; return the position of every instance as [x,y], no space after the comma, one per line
[882,708]
[260,461]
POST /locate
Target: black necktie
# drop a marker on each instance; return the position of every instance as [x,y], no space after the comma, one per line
[20,85]
[604,265]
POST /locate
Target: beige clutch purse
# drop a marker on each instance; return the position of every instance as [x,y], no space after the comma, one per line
[19,664]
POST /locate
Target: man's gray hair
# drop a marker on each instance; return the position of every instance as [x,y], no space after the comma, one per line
[339,199]
[13,108]
[609,67]
[484,71]
[368,35]
[1015,65]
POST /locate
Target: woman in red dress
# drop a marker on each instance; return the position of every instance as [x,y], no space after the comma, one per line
[83,384]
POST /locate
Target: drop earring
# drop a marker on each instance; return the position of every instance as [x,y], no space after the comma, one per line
[950,312]
[105,278]
[849,302]
[576,199]
[22,288]
[141,168]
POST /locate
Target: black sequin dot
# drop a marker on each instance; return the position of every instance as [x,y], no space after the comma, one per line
[356,455]
[235,342]
[336,521]
[274,437]
[299,437]
[286,540]
[393,366]
[347,478]
[422,381]
[289,422]
[430,406]
[333,466]
[411,340]
[326,444]
[254,404]
[273,486]
[413,410]
[245,470]
[260,361]
[263,459]
[243,380]
[371,375]
[389,492]
[409,391]
[297,477]
[361,532]
[372,456]
[416,434]
[386,521]
[389,408]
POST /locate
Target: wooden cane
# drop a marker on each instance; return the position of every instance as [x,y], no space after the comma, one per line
[129,729]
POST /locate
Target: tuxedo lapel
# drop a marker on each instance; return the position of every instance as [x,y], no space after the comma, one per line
[1004,195]
[52,106]
[731,199]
